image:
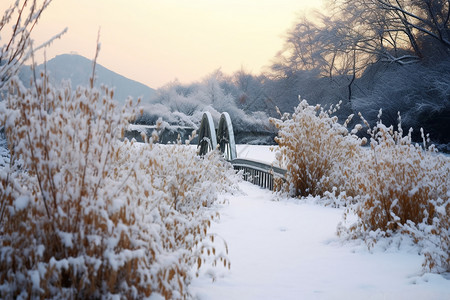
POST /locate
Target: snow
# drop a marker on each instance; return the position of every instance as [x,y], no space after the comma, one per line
[288,249]
[21,202]
[4,153]
[283,248]
[66,239]
[257,152]
[34,276]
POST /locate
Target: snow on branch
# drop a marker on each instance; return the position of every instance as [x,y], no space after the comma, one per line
[23,16]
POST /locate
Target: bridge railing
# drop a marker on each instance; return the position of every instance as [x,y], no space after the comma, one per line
[264,175]
[258,173]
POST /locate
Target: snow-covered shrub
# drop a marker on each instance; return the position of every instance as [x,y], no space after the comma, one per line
[395,186]
[398,180]
[84,215]
[176,189]
[402,186]
[434,237]
[315,149]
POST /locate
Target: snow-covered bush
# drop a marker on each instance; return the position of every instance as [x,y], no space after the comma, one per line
[315,149]
[394,187]
[402,186]
[177,189]
[434,236]
[398,180]
[84,215]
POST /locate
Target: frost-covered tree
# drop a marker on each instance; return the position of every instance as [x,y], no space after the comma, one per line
[388,54]
[420,92]
[184,105]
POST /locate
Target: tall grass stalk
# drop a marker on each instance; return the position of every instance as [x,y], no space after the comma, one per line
[394,186]
[85,215]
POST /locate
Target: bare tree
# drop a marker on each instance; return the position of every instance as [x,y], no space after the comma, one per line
[354,34]
[430,18]
[397,30]
[22,16]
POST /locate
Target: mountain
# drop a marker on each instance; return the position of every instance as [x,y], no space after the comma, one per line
[78,69]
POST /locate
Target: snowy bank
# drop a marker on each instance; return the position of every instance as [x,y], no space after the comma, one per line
[288,249]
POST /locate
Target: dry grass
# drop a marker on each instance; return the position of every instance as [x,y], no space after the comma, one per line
[84,215]
[403,187]
[313,146]
[395,186]
[62,144]
[397,180]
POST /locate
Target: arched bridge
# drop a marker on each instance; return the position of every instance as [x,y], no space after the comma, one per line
[256,172]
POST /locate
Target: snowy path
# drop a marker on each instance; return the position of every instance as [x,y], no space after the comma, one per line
[289,250]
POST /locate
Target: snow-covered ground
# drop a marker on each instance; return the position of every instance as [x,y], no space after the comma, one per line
[288,249]
[257,152]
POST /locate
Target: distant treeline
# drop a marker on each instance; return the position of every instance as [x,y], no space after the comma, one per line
[369,54]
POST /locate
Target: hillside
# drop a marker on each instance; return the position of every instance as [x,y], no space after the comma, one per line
[78,69]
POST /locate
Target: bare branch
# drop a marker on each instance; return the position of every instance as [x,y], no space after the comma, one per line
[23,16]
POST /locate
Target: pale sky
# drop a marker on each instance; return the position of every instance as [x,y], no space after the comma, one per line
[158,41]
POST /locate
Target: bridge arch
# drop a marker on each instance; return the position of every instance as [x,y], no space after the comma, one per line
[225,137]
[264,175]
[207,139]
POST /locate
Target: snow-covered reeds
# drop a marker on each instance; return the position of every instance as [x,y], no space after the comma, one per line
[313,147]
[402,187]
[396,186]
[85,215]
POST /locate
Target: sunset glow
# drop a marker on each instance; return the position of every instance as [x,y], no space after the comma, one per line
[156,41]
